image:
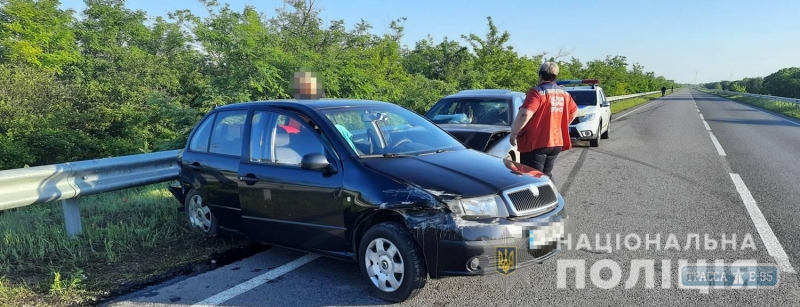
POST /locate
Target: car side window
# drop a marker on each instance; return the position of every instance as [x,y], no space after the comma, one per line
[226,138]
[292,139]
[199,141]
[602,97]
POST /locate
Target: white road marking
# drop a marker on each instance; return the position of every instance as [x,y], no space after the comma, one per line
[774,247]
[707,127]
[716,144]
[701,116]
[256,281]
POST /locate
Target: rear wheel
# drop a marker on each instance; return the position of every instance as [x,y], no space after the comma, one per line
[199,215]
[391,262]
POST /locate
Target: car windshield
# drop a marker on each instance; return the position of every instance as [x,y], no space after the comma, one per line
[387,131]
[584,98]
[486,111]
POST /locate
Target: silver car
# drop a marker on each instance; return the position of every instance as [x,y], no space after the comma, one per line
[481,119]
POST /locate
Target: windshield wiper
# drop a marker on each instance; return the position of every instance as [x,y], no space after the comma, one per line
[388,155]
[438,151]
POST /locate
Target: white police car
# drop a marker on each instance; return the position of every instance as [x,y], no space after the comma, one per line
[594,111]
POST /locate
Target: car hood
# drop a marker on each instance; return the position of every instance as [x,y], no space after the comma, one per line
[462,173]
[478,137]
[583,110]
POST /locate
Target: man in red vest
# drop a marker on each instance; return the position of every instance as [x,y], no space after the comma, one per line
[541,128]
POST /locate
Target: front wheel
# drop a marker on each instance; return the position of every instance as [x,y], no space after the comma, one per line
[391,262]
[596,141]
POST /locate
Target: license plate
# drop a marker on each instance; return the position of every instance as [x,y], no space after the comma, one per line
[540,236]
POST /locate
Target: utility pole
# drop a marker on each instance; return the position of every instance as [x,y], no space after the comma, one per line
[695,77]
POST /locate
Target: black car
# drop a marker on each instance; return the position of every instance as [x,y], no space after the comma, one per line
[370,182]
[480,119]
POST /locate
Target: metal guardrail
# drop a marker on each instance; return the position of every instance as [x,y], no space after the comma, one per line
[68,181]
[784,99]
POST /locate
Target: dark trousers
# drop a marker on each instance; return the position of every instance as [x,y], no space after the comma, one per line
[541,159]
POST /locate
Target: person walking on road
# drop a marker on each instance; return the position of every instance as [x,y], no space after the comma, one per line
[663,90]
[541,127]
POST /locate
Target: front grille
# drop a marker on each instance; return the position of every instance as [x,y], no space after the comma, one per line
[524,200]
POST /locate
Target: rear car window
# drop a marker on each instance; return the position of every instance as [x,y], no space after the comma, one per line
[199,141]
[226,138]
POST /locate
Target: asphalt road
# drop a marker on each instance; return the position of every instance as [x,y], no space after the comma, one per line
[660,173]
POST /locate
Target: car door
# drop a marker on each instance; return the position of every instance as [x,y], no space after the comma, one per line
[282,203]
[225,153]
[605,107]
[213,157]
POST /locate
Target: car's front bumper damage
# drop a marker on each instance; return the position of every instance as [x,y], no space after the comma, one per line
[493,246]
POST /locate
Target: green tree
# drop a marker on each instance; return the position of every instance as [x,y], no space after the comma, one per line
[37,33]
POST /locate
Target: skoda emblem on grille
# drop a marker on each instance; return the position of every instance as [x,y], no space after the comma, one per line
[530,200]
[535,190]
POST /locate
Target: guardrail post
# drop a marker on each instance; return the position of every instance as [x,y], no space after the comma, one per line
[72,216]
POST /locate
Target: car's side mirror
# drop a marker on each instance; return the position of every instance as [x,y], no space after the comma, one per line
[605,104]
[316,161]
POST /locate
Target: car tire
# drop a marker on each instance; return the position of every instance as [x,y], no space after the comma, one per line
[596,141]
[392,235]
[198,215]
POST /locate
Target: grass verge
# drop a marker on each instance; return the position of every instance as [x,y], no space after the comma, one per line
[130,238]
[782,107]
[622,105]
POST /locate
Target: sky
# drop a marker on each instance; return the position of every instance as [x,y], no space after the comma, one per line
[682,40]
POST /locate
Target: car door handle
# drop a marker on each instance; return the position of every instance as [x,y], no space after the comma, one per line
[196,167]
[248,179]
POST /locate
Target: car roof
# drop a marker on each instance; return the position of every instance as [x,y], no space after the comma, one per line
[485,93]
[318,104]
[581,88]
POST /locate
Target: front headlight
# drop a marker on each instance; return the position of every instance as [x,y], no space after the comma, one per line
[484,205]
[587,117]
